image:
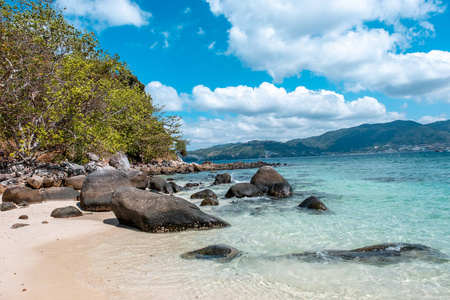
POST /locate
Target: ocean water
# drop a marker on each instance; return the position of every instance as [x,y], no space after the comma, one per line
[372,199]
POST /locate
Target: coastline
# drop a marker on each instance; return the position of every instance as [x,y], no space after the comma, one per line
[50,260]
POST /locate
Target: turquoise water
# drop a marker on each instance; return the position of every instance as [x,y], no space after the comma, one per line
[373,199]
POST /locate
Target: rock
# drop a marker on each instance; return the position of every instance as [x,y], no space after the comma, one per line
[137,179]
[98,188]
[379,254]
[222,178]
[20,194]
[209,201]
[280,190]
[66,212]
[5,206]
[76,182]
[191,185]
[35,181]
[153,212]
[216,252]
[92,157]
[4,177]
[73,169]
[60,193]
[266,177]
[313,203]
[51,182]
[241,190]
[120,162]
[176,188]
[24,204]
[44,222]
[204,194]
[160,185]
[23,217]
[19,225]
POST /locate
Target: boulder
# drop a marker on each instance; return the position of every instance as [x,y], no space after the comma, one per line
[216,252]
[280,190]
[22,194]
[313,203]
[138,179]
[241,190]
[191,185]
[160,185]
[153,212]
[7,206]
[176,188]
[60,193]
[204,194]
[222,178]
[209,201]
[51,182]
[35,181]
[73,169]
[4,177]
[120,162]
[76,182]
[66,212]
[266,177]
[98,188]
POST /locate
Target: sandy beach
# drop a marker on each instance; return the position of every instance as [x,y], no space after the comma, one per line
[49,260]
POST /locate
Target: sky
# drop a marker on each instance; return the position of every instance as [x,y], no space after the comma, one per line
[236,71]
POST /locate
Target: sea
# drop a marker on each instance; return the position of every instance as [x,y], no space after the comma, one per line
[372,199]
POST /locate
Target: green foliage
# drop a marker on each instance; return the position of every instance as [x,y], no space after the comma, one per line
[59,92]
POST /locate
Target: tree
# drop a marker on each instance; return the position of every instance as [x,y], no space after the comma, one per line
[59,92]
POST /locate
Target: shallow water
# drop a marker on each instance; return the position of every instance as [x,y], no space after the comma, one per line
[372,199]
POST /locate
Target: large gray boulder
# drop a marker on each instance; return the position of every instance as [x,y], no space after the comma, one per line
[153,212]
[280,190]
[98,188]
[138,179]
[22,194]
[204,194]
[266,177]
[313,203]
[160,185]
[244,189]
[120,161]
[60,193]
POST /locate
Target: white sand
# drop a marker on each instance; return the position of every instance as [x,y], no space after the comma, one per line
[50,261]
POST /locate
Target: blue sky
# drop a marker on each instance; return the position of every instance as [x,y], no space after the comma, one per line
[277,70]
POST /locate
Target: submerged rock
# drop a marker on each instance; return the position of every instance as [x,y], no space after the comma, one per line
[244,189]
[313,203]
[377,254]
[280,190]
[222,178]
[216,252]
[209,201]
[153,212]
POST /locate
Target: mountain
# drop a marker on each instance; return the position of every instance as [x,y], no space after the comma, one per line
[393,136]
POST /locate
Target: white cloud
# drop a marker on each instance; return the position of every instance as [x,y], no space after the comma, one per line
[200,31]
[211,46]
[165,96]
[268,112]
[331,38]
[105,13]
[166,35]
[431,119]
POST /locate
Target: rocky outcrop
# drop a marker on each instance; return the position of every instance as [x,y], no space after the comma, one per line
[379,254]
[241,190]
[22,194]
[120,162]
[60,193]
[209,201]
[66,212]
[204,194]
[76,182]
[267,177]
[153,212]
[216,252]
[222,178]
[98,188]
[313,203]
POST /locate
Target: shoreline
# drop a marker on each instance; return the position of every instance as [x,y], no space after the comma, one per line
[50,260]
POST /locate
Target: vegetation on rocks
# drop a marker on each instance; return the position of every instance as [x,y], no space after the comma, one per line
[60,93]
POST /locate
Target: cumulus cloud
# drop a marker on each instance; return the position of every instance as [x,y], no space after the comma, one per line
[431,119]
[165,96]
[105,13]
[268,112]
[332,38]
